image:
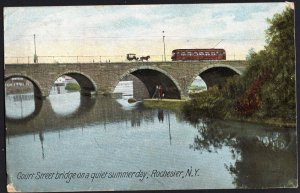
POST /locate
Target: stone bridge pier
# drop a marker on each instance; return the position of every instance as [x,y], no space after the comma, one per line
[102,78]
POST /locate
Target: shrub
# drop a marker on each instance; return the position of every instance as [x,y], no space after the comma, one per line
[210,103]
[72,86]
[131,100]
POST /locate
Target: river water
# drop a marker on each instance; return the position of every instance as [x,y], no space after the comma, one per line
[68,142]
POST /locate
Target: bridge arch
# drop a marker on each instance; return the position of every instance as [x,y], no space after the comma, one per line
[38,92]
[216,74]
[87,84]
[152,76]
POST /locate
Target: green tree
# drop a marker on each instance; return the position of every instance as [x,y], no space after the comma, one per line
[267,89]
[277,62]
[250,53]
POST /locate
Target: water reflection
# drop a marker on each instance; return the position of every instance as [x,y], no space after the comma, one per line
[41,137]
[19,105]
[100,128]
[104,110]
[63,105]
[169,123]
[22,106]
[160,115]
[262,158]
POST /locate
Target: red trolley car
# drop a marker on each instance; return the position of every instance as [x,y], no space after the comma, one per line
[198,54]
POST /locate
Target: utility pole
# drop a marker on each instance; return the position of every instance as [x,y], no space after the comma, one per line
[164,45]
[35,58]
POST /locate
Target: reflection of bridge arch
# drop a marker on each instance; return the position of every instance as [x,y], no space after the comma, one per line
[87,84]
[37,108]
[101,110]
[216,74]
[36,86]
[152,76]
[85,104]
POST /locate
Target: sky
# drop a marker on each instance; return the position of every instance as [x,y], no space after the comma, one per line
[114,31]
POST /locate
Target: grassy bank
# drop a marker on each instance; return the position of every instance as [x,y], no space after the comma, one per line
[277,122]
[180,105]
[172,104]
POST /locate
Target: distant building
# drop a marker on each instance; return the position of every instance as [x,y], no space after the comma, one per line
[17,81]
[60,81]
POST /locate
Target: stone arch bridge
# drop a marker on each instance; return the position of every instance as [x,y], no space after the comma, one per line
[102,78]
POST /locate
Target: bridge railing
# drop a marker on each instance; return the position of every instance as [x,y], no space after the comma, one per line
[92,59]
[79,59]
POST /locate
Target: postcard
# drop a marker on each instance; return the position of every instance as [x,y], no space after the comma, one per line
[150,97]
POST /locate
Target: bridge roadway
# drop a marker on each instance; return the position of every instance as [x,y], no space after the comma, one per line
[102,78]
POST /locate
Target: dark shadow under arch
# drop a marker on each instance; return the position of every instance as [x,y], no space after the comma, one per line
[216,76]
[151,78]
[87,85]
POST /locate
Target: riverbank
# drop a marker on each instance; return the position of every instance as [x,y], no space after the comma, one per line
[177,105]
[18,89]
[277,122]
[171,104]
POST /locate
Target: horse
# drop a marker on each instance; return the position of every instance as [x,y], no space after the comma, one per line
[142,58]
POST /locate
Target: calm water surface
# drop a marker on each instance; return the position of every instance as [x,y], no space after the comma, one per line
[70,133]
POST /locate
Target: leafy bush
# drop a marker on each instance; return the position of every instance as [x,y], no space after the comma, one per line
[72,86]
[210,103]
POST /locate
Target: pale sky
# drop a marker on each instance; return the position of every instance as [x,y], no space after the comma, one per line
[118,30]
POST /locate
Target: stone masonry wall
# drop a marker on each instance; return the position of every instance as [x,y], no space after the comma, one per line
[139,89]
[104,77]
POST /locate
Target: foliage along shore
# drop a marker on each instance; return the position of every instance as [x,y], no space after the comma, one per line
[265,93]
[171,104]
[72,86]
[179,105]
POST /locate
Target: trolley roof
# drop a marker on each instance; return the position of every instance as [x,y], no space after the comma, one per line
[201,49]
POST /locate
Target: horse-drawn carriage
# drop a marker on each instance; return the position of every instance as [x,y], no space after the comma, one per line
[131,57]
